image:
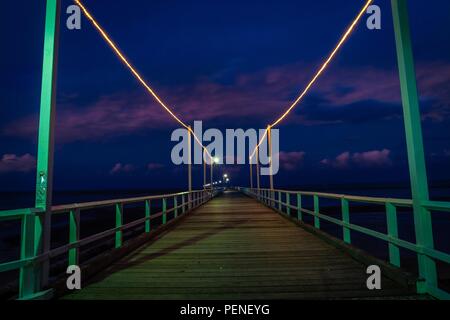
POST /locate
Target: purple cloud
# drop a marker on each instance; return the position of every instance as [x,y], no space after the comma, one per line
[291,160]
[155,166]
[109,116]
[121,168]
[261,96]
[374,158]
[15,163]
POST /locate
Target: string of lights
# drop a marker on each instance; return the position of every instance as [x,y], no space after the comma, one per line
[314,79]
[318,73]
[136,74]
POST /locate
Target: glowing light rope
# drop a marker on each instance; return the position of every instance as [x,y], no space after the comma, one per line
[318,73]
[135,73]
[343,39]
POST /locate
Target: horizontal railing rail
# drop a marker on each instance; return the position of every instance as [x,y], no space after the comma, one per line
[274,199]
[182,203]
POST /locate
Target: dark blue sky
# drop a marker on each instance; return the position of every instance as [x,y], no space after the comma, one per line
[231,64]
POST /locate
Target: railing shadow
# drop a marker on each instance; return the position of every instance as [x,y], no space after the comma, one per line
[129,261]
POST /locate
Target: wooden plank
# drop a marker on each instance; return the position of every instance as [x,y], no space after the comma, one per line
[235,248]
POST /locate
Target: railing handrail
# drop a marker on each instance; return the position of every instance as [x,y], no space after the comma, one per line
[380,200]
[106,203]
[399,202]
[17,213]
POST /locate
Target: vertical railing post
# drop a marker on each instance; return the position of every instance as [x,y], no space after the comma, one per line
[346,220]
[279,201]
[119,223]
[147,216]
[175,206]
[299,207]
[288,204]
[44,167]
[195,199]
[164,211]
[27,278]
[183,205]
[316,211]
[414,143]
[74,235]
[391,217]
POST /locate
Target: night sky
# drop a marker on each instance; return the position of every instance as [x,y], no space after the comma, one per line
[232,64]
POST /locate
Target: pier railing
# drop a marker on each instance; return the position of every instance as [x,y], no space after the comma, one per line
[30,261]
[295,209]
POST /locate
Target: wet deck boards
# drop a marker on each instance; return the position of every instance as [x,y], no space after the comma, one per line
[235,248]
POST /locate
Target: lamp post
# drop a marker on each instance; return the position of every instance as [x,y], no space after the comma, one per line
[204,170]
[213,160]
[189,169]
[251,173]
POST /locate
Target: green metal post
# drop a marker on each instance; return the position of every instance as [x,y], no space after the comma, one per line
[183,209]
[299,207]
[279,201]
[74,235]
[346,219]
[394,251]
[175,205]
[316,211]
[44,168]
[27,279]
[288,204]
[414,142]
[119,223]
[164,211]
[147,215]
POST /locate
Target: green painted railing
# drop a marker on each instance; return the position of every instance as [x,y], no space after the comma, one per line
[274,199]
[29,262]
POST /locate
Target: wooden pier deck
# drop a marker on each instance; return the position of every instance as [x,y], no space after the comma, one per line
[236,248]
